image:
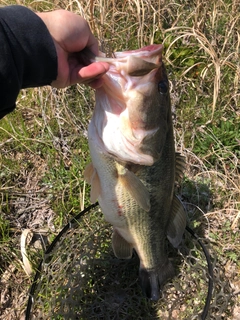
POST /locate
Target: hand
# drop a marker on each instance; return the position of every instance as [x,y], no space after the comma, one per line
[71,34]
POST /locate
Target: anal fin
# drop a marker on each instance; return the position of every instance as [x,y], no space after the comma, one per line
[177,222]
[121,248]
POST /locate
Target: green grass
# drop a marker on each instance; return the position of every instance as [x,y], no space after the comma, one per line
[44,152]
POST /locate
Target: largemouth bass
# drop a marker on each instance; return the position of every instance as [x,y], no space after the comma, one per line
[134,165]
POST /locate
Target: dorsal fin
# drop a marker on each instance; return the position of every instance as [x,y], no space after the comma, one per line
[135,187]
[180,165]
[177,222]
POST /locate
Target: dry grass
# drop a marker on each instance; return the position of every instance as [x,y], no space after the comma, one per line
[44,151]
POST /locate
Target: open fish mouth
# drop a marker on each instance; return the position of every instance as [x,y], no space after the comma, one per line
[149,53]
[127,119]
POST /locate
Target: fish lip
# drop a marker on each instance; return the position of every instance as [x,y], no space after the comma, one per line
[145,52]
[149,50]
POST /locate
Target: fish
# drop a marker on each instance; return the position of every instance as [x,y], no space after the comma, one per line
[134,164]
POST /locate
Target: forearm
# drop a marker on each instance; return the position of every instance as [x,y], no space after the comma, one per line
[27,57]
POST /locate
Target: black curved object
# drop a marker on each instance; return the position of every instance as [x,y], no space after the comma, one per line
[210,274]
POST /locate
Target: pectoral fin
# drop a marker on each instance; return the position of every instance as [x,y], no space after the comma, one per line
[88,172]
[121,248]
[91,176]
[177,223]
[135,187]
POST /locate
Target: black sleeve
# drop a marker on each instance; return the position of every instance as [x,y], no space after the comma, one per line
[28,56]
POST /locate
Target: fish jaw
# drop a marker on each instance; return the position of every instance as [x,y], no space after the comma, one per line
[130,115]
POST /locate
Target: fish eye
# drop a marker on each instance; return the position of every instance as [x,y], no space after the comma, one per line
[163,87]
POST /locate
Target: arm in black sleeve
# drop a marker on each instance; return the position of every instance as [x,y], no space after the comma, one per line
[28,56]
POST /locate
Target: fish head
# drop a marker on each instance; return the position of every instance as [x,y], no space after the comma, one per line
[133,113]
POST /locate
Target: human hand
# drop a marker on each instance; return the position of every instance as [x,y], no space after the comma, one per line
[71,34]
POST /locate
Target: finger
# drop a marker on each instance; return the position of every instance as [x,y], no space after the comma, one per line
[93,70]
[92,43]
[80,74]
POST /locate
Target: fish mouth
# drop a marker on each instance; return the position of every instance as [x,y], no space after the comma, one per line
[153,280]
[127,105]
